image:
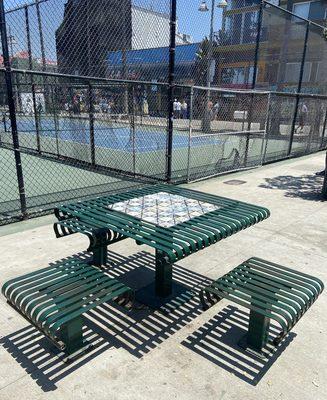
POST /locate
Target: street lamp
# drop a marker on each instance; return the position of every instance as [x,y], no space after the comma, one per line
[204,8]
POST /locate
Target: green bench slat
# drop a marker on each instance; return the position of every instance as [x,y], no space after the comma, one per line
[53,297]
[271,290]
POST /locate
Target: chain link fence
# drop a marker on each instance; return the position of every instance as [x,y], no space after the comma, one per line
[107,95]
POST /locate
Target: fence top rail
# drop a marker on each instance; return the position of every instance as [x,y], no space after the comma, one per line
[88,79]
[270,5]
[94,80]
[307,95]
[226,90]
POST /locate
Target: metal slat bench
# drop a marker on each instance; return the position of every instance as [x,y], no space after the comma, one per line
[53,299]
[270,291]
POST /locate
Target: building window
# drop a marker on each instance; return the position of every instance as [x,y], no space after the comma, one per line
[302,9]
[292,72]
[241,28]
[234,76]
[312,10]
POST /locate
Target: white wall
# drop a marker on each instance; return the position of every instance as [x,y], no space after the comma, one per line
[151,29]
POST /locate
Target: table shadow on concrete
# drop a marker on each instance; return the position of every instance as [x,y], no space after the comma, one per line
[217,342]
[110,326]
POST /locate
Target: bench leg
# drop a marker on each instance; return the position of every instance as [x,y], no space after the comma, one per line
[71,335]
[163,277]
[100,256]
[257,336]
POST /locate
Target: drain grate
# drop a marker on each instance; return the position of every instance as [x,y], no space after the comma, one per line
[234,182]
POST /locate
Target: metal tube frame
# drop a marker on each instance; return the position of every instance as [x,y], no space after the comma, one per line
[297,100]
[12,110]
[171,83]
[30,64]
[91,123]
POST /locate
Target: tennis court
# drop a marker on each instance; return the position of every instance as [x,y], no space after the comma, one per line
[47,183]
[107,134]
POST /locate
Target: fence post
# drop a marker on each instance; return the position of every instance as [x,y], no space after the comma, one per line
[91,122]
[254,79]
[171,81]
[323,131]
[297,99]
[12,109]
[266,137]
[190,128]
[30,65]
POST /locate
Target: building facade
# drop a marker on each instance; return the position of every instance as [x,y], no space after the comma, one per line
[281,46]
[92,29]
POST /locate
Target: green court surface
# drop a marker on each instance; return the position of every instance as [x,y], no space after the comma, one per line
[48,182]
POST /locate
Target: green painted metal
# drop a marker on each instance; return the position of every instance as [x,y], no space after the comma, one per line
[270,291]
[175,242]
[54,299]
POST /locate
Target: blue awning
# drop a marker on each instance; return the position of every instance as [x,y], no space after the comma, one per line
[186,53]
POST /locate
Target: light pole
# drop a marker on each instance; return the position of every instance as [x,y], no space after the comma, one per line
[204,8]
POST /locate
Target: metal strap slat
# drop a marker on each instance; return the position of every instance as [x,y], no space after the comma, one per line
[91,280]
[84,309]
[21,293]
[269,292]
[40,274]
[269,289]
[61,292]
[296,284]
[155,231]
[257,295]
[246,296]
[66,307]
[132,231]
[302,278]
[245,304]
[176,242]
[278,285]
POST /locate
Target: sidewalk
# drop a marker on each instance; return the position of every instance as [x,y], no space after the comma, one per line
[187,354]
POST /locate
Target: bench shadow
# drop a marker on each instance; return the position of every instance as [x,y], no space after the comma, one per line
[217,342]
[307,187]
[109,326]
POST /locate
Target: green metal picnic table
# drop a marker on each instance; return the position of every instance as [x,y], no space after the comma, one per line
[175,221]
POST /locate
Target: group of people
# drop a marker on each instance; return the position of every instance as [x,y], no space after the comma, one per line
[180,109]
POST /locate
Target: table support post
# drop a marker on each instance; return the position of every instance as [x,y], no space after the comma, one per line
[164,275]
[100,256]
[257,336]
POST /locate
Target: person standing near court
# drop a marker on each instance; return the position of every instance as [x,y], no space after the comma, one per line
[303,114]
[184,109]
[177,109]
[215,110]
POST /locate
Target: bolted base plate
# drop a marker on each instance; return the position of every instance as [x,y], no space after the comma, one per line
[243,343]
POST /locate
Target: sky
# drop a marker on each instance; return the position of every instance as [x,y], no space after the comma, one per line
[190,21]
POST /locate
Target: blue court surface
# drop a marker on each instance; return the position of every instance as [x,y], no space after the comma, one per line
[109,134]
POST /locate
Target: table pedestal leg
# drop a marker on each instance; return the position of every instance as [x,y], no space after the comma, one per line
[164,290]
[99,251]
[164,276]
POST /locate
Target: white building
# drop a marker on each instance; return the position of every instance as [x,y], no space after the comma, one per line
[151,29]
